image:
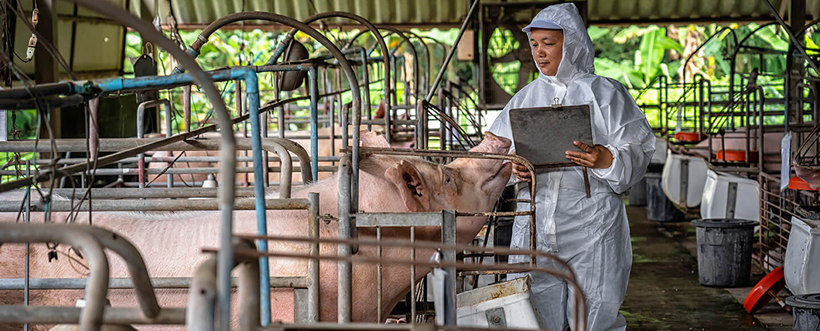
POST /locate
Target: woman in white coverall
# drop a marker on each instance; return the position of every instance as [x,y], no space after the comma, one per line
[591,234]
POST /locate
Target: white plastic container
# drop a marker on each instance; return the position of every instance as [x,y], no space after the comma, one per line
[802,264]
[721,189]
[673,176]
[509,302]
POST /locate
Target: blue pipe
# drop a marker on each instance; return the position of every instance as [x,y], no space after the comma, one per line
[314,121]
[252,95]
[252,91]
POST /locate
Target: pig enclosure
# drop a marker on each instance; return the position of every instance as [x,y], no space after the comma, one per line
[157,175]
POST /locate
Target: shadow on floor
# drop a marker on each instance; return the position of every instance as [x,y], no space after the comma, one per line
[664,293]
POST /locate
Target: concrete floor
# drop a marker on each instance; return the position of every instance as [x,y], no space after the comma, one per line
[664,293]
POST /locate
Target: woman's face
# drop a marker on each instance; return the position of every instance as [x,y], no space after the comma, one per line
[546,49]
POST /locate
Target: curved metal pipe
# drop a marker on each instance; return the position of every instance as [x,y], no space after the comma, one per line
[412,49]
[686,63]
[228,154]
[97,286]
[201,297]
[429,58]
[351,75]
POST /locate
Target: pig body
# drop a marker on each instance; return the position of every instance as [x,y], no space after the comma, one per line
[171,244]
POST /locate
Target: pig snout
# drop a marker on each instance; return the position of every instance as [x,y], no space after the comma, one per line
[493,144]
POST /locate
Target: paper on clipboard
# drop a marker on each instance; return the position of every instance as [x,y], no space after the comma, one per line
[543,134]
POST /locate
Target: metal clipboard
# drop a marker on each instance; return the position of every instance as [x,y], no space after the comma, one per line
[543,134]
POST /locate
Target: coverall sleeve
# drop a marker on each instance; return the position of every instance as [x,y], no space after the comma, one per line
[631,143]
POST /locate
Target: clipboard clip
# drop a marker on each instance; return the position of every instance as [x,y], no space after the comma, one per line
[556,102]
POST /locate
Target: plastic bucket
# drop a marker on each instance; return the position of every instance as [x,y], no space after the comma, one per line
[637,193]
[805,311]
[658,206]
[724,251]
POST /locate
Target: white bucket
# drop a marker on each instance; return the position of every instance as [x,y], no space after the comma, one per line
[721,189]
[509,303]
[674,174]
[802,264]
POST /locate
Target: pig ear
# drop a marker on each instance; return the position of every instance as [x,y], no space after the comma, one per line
[380,110]
[372,139]
[411,186]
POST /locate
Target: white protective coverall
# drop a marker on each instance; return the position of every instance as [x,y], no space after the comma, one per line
[591,234]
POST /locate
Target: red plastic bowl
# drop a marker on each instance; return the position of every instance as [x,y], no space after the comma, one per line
[759,295]
[798,184]
[688,137]
[732,155]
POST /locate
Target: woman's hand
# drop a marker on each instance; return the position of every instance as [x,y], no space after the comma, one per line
[592,157]
[521,171]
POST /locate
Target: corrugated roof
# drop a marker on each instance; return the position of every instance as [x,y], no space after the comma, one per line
[451,12]
[98,44]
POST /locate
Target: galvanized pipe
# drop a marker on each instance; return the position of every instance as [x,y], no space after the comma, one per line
[201,311]
[154,193]
[16,284]
[92,314]
[71,315]
[223,118]
[119,144]
[313,266]
[345,269]
[203,293]
[567,274]
[141,132]
[134,262]
[172,171]
[93,132]
[157,205]
[186,107]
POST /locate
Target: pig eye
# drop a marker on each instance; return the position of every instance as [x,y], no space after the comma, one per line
[447,181]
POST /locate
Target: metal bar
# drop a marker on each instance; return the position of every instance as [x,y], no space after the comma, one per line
[201,310]
[313,266]
[398,219]
[792,38]
[70,315]
[448,237]
[8,284]
[156,193]
[452,51]
[345,270]
[314,121]
[379,276]
[27,271]
[92,315]
[412,277]
[159,205]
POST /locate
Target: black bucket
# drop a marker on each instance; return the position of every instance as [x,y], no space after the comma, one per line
[724,251]
[658,206]
[637,193]
[805,311]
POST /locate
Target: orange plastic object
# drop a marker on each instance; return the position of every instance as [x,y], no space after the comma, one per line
[797,183]
[688,137]
[732,155]
[759,295]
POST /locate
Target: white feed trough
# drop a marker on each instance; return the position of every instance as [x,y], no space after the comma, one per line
[730,196]
[802,264]
[683,179]
[503,305]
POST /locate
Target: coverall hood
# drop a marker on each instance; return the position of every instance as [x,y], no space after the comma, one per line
[578,55]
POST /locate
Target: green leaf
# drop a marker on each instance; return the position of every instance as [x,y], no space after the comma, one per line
[596,32]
